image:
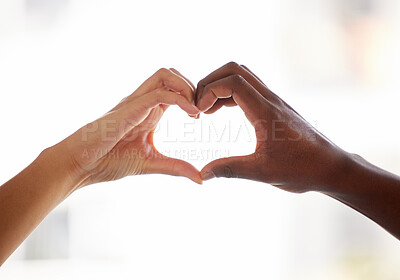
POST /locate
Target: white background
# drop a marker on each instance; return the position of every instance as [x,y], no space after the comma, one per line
[64,63]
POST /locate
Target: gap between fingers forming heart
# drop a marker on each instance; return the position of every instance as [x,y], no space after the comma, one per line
[224,133]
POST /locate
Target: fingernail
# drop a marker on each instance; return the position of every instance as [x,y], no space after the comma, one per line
[207,175]
[198,180]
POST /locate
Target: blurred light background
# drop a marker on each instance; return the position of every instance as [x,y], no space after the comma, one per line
[64,63]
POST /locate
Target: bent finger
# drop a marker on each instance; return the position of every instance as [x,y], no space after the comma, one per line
[166,97]
[252,73]
[230,69]
[242,93]
[228,102]
[167,79]
[183,77]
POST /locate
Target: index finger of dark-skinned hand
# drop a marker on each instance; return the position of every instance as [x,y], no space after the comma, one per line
[237,88]
[229,69]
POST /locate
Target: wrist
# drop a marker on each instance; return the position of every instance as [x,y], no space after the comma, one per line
[345,169]
[61,168]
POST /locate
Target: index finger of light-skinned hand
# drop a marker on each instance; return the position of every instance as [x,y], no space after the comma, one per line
[163,78]
[135,111]
[244,95]
[191,96]
[229,69]
[167,97]
[167,79]
[183,77]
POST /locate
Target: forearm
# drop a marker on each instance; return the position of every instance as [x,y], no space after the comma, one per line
[27,198]
[370,190]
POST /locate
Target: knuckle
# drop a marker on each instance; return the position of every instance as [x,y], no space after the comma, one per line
[159,95]
[179,98]
[162,71]
[174,166]
[237,80]
[123,101]
[201,84]
[233,66]
[206,88]
[158,91]
[228,172]
[158,99]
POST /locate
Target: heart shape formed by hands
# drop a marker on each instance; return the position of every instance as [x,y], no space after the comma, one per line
[287,146]
[289,152]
